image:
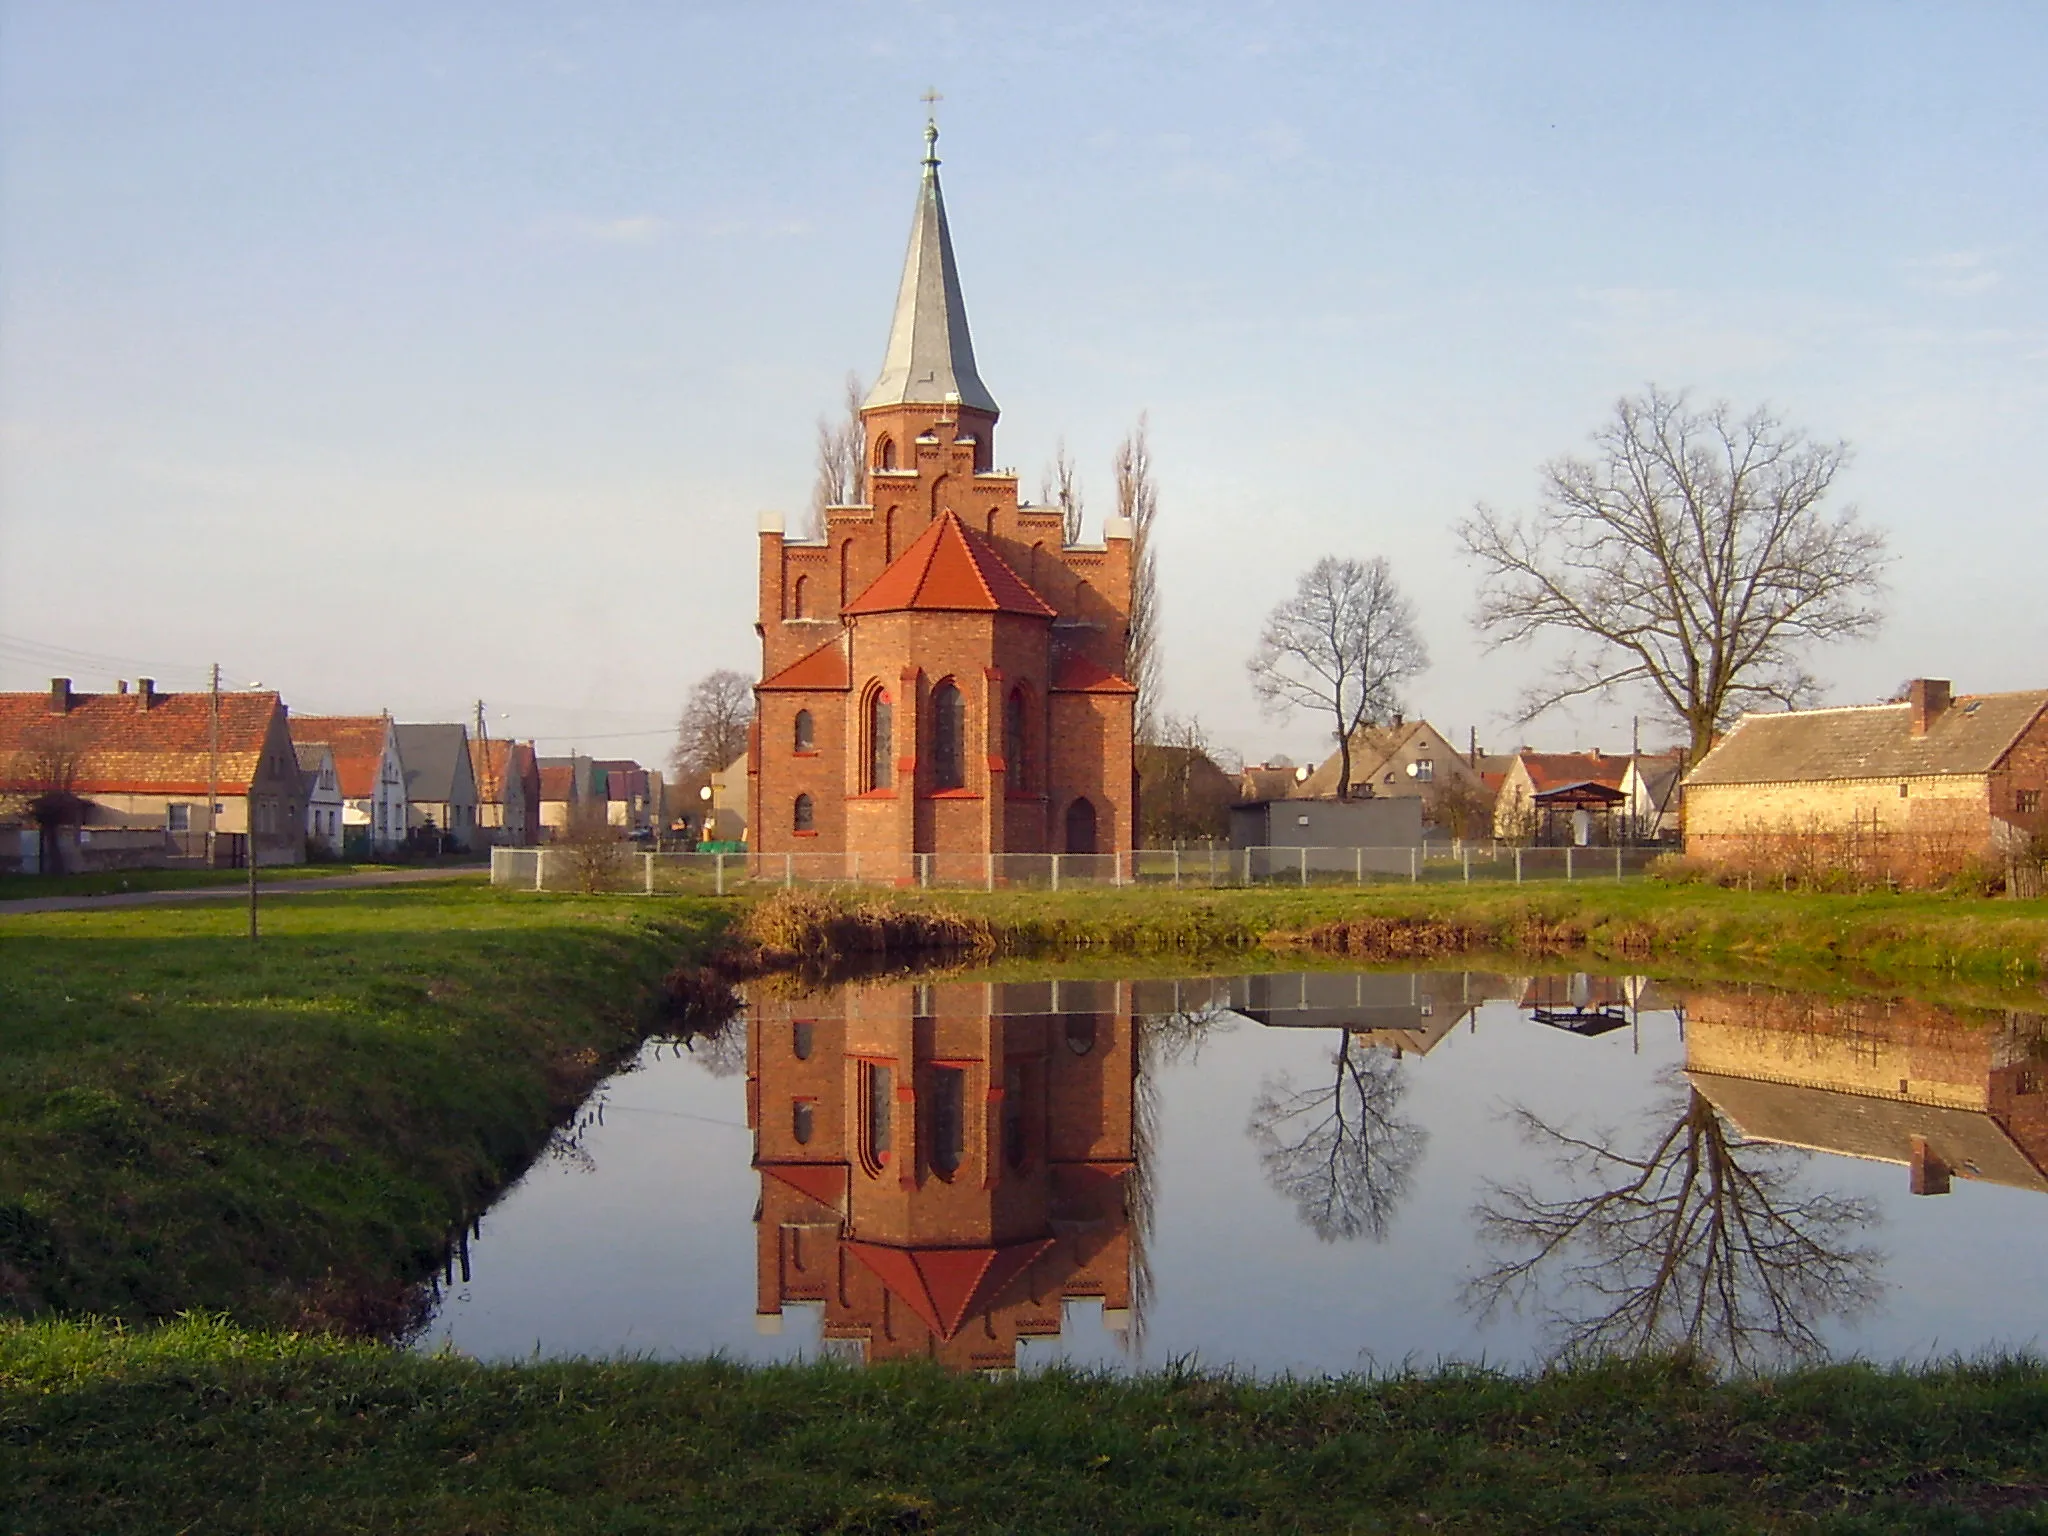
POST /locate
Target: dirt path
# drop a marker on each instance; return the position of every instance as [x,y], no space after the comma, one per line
[264,890]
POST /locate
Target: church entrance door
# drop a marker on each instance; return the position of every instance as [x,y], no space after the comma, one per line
[1081,827]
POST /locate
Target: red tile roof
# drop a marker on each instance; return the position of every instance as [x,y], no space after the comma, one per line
[825,668]
[950,568]
[357,742]
[1556,770]
[558,783]
[1084,674]
[124,748]
[946,1286]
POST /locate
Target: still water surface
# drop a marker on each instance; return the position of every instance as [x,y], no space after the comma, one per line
[1305,1172]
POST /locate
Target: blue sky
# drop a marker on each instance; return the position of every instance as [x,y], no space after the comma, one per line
[402,355]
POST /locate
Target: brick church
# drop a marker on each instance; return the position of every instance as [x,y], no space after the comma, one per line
[942,674]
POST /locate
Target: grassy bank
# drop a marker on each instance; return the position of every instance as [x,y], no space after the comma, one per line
[1903,936]
[198,1427]
[289,1132]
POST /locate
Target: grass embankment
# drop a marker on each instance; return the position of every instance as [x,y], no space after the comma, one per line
[288,1132]
[198,1427]
[1901,936]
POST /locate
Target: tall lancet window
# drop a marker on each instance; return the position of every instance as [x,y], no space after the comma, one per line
[1017,741]
[949,737]
[881,765]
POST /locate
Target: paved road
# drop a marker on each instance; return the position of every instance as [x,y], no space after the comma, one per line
[264,891]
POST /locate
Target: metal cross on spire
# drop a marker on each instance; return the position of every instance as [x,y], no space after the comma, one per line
[931,99]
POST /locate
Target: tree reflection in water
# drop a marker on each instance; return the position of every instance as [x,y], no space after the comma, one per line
[1339,1150]
[1697,1241]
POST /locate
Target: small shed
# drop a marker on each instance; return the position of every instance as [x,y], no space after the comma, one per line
[1331,834]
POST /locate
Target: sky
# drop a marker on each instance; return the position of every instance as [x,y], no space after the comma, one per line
[398,356]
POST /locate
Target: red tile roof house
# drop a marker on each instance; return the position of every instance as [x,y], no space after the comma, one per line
[1553,799]
[507,792]
[365,747]
[140,765]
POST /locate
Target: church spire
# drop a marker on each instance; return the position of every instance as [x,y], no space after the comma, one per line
[930,355]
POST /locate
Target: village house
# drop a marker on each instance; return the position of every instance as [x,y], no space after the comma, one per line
[1913,789]
[1410,758]
[941,671]
[1560,799]
[567,786]
[135,770]
[507,791]
[372,775]
[320,783]
[440,786]
[636,800]
[1652,797]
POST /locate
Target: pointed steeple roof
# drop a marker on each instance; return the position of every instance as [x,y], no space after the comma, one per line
[946,1286]
[930,354]
[950,568]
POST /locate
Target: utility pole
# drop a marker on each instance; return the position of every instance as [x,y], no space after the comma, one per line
[249,802]
[212,766]
[487,781]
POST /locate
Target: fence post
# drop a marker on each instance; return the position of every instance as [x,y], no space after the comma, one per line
[788,870]
[1617,861]
[1518,866]
[540,869]
[1358,866]
[1468,866]
[1055,871]
[1176,866]
[720,857]
[1414,865]
[1569,850]
[1304,866]
[991,882]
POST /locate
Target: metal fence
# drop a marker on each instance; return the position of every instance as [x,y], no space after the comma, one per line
[618,868]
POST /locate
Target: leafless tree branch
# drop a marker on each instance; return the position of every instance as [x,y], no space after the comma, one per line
[842,458]
[1343,644]
[1689,556]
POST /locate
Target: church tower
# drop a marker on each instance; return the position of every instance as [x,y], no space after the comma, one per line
[942,675]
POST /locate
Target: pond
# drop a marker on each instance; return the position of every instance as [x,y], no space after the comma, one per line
[1301,1172]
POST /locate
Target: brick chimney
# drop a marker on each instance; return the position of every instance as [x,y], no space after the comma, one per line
[1927,1172]
[146,686]
[60,695]
[1928,696]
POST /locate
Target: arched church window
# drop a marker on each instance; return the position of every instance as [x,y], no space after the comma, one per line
[806,737]
[877,1114]
[948,1119]
[1081,1030]
[1017,740]
[802,817]
[885,453]
[949,737]
[881,723]
[799,598]
[802,1034]
[801,1119]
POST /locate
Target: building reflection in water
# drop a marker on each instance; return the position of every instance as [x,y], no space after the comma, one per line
[1895,1082]
[944,1166]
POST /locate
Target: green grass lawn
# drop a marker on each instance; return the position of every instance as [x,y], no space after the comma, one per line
[117,881]
[198,1427]
[288,1131]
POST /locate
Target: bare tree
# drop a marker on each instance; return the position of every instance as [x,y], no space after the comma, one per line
[1344,643]
[1137,498]
[45,772]
[713,728]
[1692,1241]
[842,458]
[594,850]
[1689,556]
[1182,793]
[1340,1151]
[1060,486]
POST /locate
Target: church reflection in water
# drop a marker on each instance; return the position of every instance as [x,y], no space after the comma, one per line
[944,1166]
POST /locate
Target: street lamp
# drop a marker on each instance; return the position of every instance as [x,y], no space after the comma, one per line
[710,810]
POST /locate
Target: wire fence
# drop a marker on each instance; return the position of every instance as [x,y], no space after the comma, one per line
[612,867]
